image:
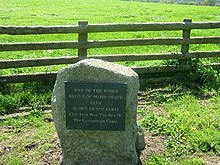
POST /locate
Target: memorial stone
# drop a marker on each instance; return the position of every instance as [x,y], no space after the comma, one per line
[94,108]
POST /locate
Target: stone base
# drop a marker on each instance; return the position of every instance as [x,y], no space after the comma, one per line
[97,147]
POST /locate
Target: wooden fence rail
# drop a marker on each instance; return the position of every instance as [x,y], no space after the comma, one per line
[83,44]
[5,64]
[106,43]
[26,30]
[21,78]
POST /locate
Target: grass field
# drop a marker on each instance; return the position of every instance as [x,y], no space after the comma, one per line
[183,122]
[58,12]
[114,11]
[70,12]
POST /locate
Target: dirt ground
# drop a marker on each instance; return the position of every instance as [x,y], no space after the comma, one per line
[154,145]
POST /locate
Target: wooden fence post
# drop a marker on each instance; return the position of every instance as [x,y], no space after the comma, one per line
[185,47]
[83,39]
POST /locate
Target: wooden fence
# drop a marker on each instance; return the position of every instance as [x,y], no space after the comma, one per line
[83,44]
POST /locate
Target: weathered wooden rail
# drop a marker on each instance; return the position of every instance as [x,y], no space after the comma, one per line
[83,44]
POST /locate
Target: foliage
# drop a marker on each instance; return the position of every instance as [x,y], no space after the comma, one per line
[210,2]
[188,2]
[168,1]
[161,160]
[12,97]
[158,160]
[204,76]
[187,125]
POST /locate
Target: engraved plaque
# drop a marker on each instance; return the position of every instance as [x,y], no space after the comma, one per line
[95,105]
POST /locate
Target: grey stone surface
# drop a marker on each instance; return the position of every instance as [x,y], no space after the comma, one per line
[96,147]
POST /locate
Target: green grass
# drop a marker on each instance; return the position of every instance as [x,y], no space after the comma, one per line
[41,12]
[26,140]
[69,12]
[158,160]
[47,12]
[189,122]
[24,95]
[57,12]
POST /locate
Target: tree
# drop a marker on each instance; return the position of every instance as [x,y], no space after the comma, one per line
[210,2]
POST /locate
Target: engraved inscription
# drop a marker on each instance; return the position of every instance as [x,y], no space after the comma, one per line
[95,105]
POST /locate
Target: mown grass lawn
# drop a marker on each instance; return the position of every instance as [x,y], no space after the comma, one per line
[181,124]
[57,12]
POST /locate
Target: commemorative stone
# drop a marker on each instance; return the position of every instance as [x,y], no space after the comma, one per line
[94,107]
